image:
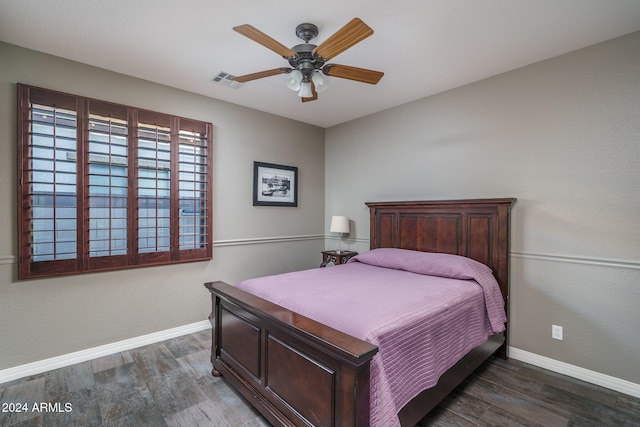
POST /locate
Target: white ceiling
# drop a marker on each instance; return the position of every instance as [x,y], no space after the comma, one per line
[423,46]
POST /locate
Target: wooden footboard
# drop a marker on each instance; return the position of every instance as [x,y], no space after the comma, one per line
[294,370]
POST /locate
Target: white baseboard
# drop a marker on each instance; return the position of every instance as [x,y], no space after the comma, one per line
[577,372]
[45,365]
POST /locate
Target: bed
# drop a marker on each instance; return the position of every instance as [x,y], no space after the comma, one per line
[299,371]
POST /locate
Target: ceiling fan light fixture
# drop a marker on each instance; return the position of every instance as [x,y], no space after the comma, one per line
[320,82]
[305,90]
[293,80]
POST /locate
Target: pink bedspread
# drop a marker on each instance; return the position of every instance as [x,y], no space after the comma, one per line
[423,311]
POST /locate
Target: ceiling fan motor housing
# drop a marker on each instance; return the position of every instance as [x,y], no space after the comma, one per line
[306,61]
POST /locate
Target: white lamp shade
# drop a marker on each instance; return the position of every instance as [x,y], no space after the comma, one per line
[321,83]
[305,90]
[339,224]
[293,80]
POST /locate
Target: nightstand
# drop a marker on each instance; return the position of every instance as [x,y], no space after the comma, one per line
[336,257]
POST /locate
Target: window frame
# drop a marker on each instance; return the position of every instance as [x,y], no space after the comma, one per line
[179,130]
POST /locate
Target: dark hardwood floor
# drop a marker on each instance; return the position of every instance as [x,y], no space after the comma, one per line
[169,383]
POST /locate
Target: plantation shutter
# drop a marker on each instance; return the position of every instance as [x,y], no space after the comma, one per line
[104,186]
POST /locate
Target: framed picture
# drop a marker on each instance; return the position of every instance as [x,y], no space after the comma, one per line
[274,185]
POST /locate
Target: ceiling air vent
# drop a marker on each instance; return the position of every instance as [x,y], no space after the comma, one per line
[225,79]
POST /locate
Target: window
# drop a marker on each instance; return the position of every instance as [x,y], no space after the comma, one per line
[104,186]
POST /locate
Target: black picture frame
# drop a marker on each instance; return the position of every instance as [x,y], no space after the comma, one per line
[275,185]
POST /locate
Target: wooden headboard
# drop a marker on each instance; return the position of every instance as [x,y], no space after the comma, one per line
[476,228]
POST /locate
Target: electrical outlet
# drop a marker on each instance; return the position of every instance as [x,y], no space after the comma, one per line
[556,332]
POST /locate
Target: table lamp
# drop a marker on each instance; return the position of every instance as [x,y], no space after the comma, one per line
[339,224]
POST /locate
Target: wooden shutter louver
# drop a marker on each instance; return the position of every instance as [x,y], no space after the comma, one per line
[107,166]
[154,191]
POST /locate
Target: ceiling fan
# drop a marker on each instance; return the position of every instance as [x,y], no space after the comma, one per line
[309,62]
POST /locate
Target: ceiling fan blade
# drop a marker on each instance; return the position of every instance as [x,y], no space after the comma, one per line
[265,40]
[313,97]
[353,73]
[353,32]
[260,74]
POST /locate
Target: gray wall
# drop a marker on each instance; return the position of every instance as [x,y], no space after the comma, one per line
[49,317]
[563,137]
